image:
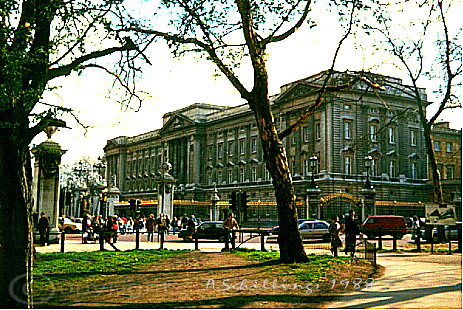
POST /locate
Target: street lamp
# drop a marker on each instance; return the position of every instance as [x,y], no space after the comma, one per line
[214,200]
[313,162]
[368,161]
[100,166]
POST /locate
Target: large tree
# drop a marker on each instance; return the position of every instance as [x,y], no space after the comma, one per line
[232,33]
[426,46]
[41,40]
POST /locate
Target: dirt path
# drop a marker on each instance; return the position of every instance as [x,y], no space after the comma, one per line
[208,280]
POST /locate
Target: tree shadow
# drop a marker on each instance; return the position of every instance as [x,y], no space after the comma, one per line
[396,296]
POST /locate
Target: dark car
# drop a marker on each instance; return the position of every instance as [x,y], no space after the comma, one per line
[206,230]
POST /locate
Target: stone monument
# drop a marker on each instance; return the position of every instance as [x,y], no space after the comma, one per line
[165,184]
[46,184]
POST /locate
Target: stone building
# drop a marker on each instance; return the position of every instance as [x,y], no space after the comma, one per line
[447,150]
[209,144]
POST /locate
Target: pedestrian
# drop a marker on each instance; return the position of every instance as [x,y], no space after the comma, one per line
[335,230]
[229,224]
[185,220]
[415,228]
[167,223]
[85,224]
[114,229]
[174,225]
[191,226]
[43,226]
[162,226]
[129,224]
[150,224]
[351,230]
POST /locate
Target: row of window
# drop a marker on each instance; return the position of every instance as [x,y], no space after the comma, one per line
[227,175]
[373,171]
[373,133]
[437,146]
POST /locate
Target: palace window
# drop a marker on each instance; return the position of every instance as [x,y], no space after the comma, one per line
[347,165]
[242,147]
[450,172]
[392,168]
[413,137]
[373,132]
[253,174]
[230,176]
[241,175]
[392,135]
[219,177]
[253,145]
[347,129]
[436,146]
[414,170]
[449,147]
[231,148]
[219,150]
[317,131]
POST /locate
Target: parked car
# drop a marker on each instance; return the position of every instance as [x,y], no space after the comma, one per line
[299,222]
[205,230]
[380,225]
[311,229]
[68,226]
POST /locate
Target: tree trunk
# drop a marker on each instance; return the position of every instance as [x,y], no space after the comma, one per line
[15,225]
[437,187]
[289,237]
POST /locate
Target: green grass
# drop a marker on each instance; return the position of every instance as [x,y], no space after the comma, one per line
[314,270]
[86,267]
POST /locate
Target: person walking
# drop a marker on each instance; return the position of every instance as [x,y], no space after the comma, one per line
[230,223]
[85,230]
[185,220]
[174,225]
[352,230]
[335,230]
[161,226]
[150,225]
[415,229]
[43,226]
[167,223]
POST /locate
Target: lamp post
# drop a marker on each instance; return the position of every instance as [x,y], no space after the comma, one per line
[100,167]
[368,161]
[313,162]
[214,199]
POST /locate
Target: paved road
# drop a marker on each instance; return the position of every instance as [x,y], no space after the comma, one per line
[411,281]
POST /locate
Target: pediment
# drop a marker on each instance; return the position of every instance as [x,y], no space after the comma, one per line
[177,121]
[298,90]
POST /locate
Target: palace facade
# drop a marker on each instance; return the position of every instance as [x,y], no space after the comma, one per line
[210,145]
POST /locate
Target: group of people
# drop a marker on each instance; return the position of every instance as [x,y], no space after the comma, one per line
[351,230]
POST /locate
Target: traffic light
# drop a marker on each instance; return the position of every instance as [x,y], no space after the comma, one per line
[232,201]
[132,203]
[137,206]
[243,204]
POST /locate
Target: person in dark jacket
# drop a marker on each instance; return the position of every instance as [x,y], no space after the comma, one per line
[351,230]
[42,226]
[150,225]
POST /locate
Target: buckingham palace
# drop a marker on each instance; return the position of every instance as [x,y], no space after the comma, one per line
[217,147]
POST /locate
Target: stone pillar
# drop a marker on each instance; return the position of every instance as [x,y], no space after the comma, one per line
[369,202]
[113,196]
[165,191]
[313,203]
[46,181]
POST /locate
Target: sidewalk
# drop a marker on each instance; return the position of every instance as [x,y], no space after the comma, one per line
[411,281]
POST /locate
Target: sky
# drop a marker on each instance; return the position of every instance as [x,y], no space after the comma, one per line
[174,83]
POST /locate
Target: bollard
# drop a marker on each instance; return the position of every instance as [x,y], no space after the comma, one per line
[432,240]
[137,238]
[196,241]
[63,238]
[394,243]
[380,241]
[161,233]
[233,239]
[101,236]
[262,242]
[450,241]
[418,241]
